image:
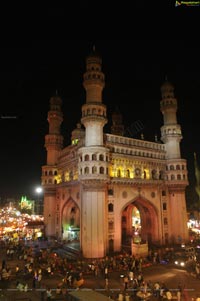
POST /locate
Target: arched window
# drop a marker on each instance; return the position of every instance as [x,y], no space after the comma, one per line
[101,157]
[87,158]
[87,170]
[172,177]
[94,169]
[161,175]
[94,157]
[110,207]
[137,172]
[171,167]
[154,174]
[119,173]
[101,170]
[164,206]
[110,191]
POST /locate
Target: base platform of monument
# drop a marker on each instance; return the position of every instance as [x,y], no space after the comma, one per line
[139,249]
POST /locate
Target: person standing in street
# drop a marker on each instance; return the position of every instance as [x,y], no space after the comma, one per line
[49,294]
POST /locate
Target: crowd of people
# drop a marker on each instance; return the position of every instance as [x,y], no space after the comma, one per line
[33,266]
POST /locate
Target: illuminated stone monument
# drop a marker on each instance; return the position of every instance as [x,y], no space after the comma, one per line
[95,183]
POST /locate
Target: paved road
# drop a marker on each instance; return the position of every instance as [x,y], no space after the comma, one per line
[171,276]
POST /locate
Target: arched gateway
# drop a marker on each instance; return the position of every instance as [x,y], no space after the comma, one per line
[70,221]
[98,182]
[140,221]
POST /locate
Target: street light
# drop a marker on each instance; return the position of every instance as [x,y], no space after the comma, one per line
[38,190]
[39,203]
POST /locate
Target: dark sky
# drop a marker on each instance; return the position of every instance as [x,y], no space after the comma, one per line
[134,71]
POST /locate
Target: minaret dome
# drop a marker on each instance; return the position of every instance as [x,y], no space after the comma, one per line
[167,90]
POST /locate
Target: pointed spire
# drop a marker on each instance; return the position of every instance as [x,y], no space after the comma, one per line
[93,48]
[166,79]
[156,138]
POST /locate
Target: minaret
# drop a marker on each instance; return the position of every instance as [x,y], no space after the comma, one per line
[93,112]
[54,140]
[176,167]
[53,144]
[117,127]
[171,131]
[93,163]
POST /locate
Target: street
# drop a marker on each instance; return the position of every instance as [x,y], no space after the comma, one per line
[167,274]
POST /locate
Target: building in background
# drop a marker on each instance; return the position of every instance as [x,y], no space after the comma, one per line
[26,205]
[105,188]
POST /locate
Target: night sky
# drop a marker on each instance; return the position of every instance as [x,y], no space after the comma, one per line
[134,71]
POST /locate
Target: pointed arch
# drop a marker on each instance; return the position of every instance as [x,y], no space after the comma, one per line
[70,220]
[149,219]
